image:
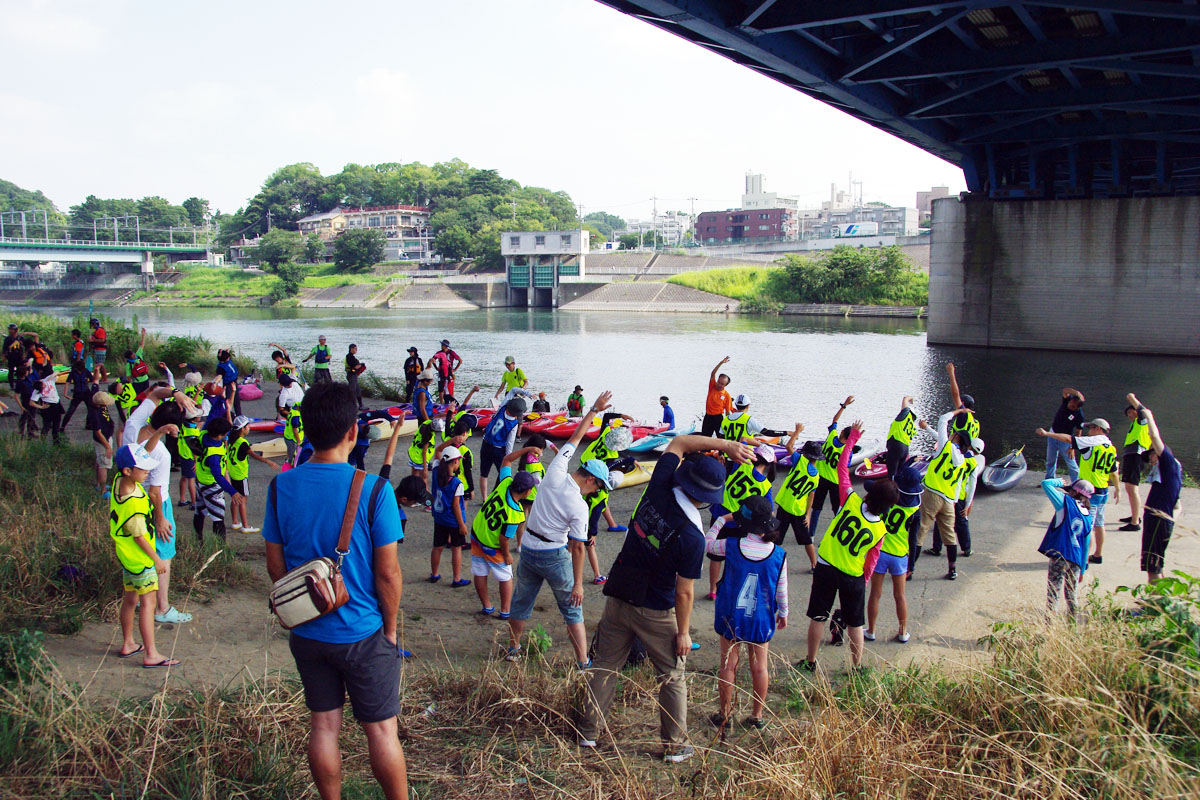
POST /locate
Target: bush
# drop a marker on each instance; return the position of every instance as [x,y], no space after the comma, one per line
[855,276]
[740,283]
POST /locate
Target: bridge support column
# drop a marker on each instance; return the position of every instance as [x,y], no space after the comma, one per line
[1111,275]
[147,270]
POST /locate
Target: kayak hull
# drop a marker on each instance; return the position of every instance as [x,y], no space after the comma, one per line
[1004,473]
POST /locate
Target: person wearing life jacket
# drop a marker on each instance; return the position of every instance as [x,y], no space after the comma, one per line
[98,342]
[321,365]
[942,481]
[420,450]
[211,480]
[282,360]
[900,434]
[794,498]
[455,411]
[499,436]
[847,555]
[136,368]
[973,464]
[967,422]
[293,432]
[745,481]
[1066,540]
[1097,466]
[1136,445]
[827,479]
[126,397]
[901,525]
[607,446]
[188,446]
[237,466]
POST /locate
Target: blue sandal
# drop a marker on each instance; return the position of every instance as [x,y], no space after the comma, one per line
[486,612]
[503,615]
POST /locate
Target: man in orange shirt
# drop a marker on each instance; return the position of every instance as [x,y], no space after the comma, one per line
[717,402]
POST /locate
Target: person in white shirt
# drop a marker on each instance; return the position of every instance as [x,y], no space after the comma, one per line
[290,395]
[552,549]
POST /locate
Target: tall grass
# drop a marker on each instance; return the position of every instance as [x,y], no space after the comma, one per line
[57,564]
[1054,711]
[740,283]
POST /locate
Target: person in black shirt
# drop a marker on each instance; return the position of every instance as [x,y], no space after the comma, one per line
[651,585]
[14,353]
[541,405]
[80,381]
[412,368]
[23,388]
[354,368]
[1069,420]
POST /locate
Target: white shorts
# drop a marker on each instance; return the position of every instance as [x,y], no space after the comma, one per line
[481,568]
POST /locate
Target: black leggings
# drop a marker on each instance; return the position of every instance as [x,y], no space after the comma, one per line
[824,487]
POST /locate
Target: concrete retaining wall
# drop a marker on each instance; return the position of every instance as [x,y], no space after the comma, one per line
[1115,275]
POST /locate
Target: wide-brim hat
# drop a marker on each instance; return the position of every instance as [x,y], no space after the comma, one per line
[702,478]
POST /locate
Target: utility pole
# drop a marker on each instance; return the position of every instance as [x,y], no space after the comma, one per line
[268,219]
[514,208]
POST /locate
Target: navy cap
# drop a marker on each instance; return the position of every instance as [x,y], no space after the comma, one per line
[702,478]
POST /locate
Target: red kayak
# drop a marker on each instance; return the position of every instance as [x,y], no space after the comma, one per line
[541,424]
[266,426]
[562,430]
[642,431]
[871,469]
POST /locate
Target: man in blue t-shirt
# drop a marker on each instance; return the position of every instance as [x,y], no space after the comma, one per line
[668,414]
[1166,482]
[651,586]
[229,376]
[355,649]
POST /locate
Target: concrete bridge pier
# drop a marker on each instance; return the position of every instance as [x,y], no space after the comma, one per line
[1112,275]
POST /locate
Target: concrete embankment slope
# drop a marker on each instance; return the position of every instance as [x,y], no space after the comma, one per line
[660,297]
[429,295]
[361,295]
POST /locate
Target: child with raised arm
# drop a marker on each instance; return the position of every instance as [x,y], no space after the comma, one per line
[827,479]
[1066,542]
[495,526]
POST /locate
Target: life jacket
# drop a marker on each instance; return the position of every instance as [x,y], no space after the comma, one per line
[598,448]
[538,470]
[188,442]
[133,558]
[127,397]
[497,431]
[1069,539]
[293,426]
[966,423]
[322,355]
[420,450]
[444,500]
[746,607]
[1097,464]
[943,476]
[734,427]
[895,541]
[138,369]
[238,469]
[850,537]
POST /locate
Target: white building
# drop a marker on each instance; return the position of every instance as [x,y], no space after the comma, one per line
[406,230]
[671,228]
[754,196]
[892,221]
[536,261]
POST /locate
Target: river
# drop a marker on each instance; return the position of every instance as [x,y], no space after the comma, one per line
[795,369]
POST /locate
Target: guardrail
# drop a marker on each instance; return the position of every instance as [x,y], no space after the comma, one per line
[86,244]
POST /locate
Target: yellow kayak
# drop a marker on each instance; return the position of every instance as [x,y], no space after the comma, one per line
[640,475]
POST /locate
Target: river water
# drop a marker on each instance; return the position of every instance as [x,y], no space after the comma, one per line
[795,369]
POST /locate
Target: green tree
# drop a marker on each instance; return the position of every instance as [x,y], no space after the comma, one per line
[629,241]
[453,243]
[358,250]
[605,223]
[597,238]
[279,247]
[197,209]
[314,248]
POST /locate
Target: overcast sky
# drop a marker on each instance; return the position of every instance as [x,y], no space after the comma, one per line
[126,99]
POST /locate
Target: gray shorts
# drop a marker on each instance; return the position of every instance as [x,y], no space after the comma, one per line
[553,567]
[103,459]
[368,670]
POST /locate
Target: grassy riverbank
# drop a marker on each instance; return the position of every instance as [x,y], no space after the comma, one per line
[844,275]
[205,287]
[1106,708]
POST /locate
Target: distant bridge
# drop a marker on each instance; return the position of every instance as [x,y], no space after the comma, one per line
[34,249]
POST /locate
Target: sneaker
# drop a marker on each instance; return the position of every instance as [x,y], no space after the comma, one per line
[1126,519]
[679,754]
[583,666]
[251,529]
[486,612]
[929,551]
[719,721]
[512,654]
[758,723]
[1095,559]
[599,579]
[1130,526]
[504,615]
[952,575]
[965,553]
[805,665]
[106,494]
[617,529]
[237,526]
[590,744]
[869,636]
[908,577]
[902,638]
[461,582]
[433,578]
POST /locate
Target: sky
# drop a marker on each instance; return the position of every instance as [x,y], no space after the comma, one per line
[128,99]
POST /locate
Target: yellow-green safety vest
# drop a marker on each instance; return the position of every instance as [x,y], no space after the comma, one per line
[1098,464]
[741,485]
[295,434]
[831,453]
[902,430]
[133,558]
[598,448]
[966,422]
[797,489]
[943,476]
[734,428]
[499,511]
[127,397]
[968,469]
[420,450]
[1139,433]
[238,469]
[188,442]
[538,470]
[895,541]
[204,475]
[850,537]
[196,393]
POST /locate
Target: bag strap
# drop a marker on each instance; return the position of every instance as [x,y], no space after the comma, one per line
[343,545]
[379,484]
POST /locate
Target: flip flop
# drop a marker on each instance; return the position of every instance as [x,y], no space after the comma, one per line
[139,649]
[166,662]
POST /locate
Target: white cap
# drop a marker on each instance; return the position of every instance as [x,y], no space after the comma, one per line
[240,421]
[742,401]
[426,375]
[134,456]
[451,453]
[977,444]
[765,453]
[192,379]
